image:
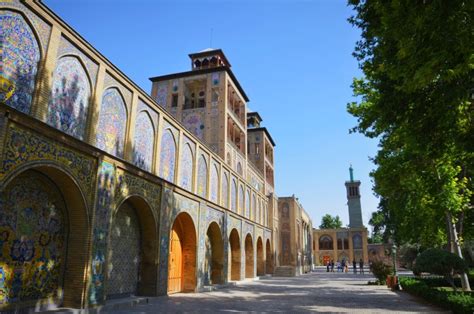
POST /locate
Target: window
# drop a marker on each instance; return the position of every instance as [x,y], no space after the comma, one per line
[325,243]
[174,100]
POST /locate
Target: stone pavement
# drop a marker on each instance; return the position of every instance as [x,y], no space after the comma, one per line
[314,292]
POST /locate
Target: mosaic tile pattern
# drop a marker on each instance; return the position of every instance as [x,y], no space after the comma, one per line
[32,244]
[110,81]
[233,195]
[162,93]
[194,122]
[67,48]
[22,147]
[69,102]
[241,199]
[214,183]
[357,241]
[105,201]
[143,141]
[124,253]
[186,166]
[167,156]
[215,78]
[42,28]
[255,209]
[247,204]
[20,55]
[225,190]
[202,176]
[112,123]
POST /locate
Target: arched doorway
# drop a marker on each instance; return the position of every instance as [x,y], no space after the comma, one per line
[131,267]
[182,255]
[249,273]
[124,254]
[235,255]
[214,261]
[260,260]
[37,208]
[269,258]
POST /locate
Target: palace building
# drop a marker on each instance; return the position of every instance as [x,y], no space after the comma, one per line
[347,244]
[295,256]
[107,191]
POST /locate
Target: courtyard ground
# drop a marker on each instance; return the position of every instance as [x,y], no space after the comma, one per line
[314,292]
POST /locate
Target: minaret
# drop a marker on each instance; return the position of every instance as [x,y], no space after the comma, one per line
[353,201]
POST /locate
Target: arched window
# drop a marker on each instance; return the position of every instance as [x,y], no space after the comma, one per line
[239,168]
[202,176]
[112,123]
[143,141]
[167,156]
[357,241]
[20,57]
[186,168]
[325,243]
[69,101]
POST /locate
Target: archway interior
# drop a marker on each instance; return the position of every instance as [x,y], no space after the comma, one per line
[182,255]
[214,260]
[235,255]
[249,260]
[38,208]
[260,260]
[124,253]
[269,258]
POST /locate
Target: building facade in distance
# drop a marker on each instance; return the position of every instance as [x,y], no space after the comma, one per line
[347,244]
[295,237]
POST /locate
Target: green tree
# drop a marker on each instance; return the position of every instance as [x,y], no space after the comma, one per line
[416,99]
[330,222]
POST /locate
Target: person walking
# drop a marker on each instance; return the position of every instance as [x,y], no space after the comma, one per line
[327,266]
[332,266]
[354,266]
[361,266]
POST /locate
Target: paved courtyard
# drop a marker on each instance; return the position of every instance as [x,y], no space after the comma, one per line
[314,292]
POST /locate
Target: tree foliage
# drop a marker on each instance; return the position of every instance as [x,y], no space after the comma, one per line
[415,97]
[440,262]
[330,222]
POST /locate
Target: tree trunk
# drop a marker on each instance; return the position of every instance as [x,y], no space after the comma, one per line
[457,249]
[450,234]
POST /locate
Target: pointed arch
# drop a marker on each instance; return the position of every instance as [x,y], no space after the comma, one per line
[214,184]
[241,199]
[247,205]
[186,166]
[143,141]
[233,195]
[167,155]
[225,190]
[255,209]
[70,94]
[202,176]
[112,122]
[20,59]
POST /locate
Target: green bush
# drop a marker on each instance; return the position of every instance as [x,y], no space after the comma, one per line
[440,262]
[442,282]
[458,302]
[380,270]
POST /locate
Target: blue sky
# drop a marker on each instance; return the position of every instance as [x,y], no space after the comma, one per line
[293,59]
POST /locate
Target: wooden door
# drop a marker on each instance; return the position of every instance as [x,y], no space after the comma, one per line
[175,268]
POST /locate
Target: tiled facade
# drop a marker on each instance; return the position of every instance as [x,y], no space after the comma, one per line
[94,175]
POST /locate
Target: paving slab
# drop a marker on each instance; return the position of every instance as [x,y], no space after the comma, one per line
[314,292]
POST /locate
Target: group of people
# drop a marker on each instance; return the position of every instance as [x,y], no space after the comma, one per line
[344,266]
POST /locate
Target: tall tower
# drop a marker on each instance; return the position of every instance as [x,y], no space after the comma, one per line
[353,201]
